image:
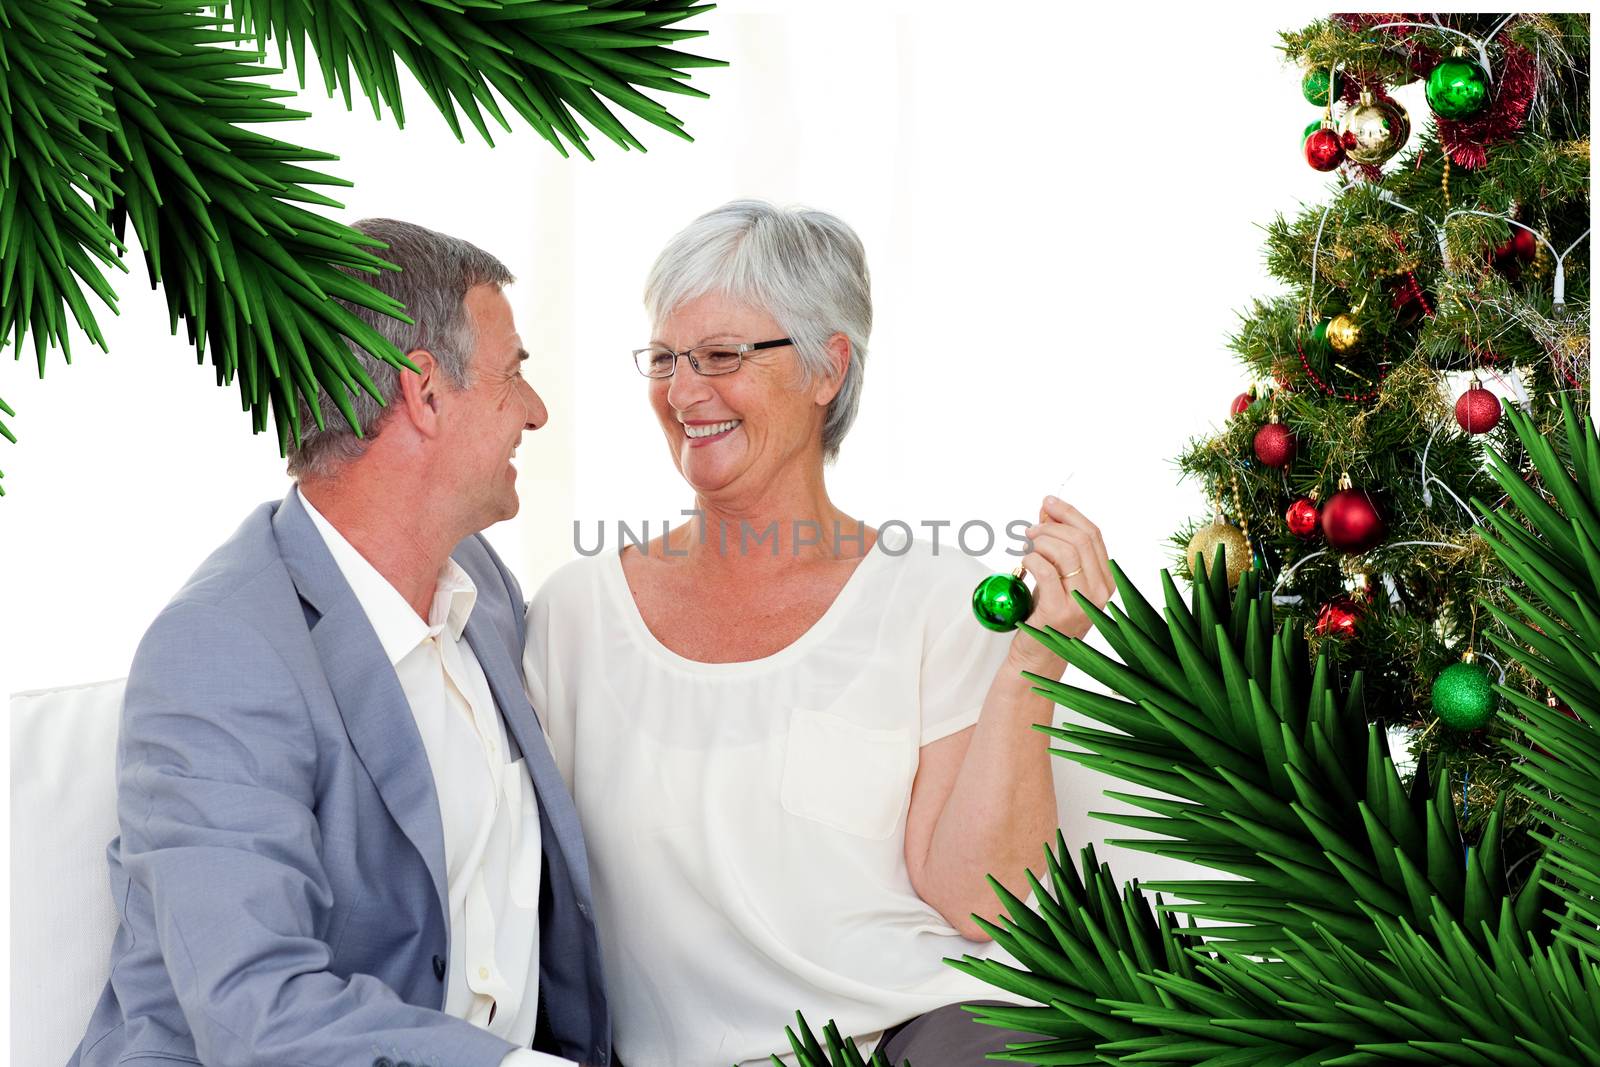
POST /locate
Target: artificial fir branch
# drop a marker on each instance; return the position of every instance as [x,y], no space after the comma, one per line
[55,179]
[136,111]
[216,208]
[552,63]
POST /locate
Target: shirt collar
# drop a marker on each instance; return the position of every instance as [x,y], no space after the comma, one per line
[398,627]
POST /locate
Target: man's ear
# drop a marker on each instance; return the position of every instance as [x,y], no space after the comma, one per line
[420,391]
[840,354]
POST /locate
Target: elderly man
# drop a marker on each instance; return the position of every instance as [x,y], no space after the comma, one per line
[343,839]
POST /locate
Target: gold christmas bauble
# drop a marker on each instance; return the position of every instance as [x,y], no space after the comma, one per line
[1235,550]
[1374,130]
[1343,333]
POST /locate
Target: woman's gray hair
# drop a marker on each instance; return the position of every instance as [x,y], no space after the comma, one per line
[436,271]
[805,268]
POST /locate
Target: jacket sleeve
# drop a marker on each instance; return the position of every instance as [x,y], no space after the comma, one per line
[217,767]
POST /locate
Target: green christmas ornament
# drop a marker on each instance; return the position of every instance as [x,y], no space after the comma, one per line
[1458,88]
[1001,601]
[1311,127]
[1319,334]
[1463,695]
[1315,85]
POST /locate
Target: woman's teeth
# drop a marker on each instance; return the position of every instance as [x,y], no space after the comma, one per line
[711,429]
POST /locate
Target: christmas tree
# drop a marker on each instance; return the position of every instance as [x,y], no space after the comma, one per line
[1435,285]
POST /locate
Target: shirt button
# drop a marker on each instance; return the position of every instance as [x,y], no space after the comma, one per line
[483,972]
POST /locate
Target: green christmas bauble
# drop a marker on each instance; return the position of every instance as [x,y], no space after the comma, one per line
[1458,88]
[1319,335]
[1315,85]
[1463,696]
[1001,601]
[1311,127]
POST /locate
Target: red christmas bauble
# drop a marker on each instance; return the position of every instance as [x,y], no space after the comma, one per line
[1241,404]
[1324,150]
[1338,617]
[1275,445]
[1350,521]
[1478,410]
[1522,245]
[1302,517]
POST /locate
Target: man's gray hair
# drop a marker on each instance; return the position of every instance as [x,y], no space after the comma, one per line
[436,271]
[805,268]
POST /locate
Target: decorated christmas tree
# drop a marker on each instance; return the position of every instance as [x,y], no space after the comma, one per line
[1435,286]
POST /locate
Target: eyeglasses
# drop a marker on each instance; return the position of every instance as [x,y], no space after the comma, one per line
[659,361]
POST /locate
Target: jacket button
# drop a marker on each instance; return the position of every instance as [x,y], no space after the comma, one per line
[438,972]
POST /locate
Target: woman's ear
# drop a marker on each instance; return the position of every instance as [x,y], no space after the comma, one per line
[419,392]
[839,355]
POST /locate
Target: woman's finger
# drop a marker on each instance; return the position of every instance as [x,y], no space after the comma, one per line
[1061,511]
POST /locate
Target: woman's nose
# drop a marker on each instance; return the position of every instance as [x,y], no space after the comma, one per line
[686,387]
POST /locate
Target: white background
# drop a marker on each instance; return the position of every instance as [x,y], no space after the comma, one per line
[1061,208]
[1059,244]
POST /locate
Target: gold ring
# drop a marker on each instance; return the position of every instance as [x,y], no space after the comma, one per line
[1074,574]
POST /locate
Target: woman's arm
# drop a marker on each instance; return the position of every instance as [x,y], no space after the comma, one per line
[983,801]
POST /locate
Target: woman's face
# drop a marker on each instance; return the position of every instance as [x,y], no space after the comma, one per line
[775,422]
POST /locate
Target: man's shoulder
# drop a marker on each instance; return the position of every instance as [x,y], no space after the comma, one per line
[240,563]
[243,580]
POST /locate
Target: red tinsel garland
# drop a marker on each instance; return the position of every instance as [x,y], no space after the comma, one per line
[1515,82]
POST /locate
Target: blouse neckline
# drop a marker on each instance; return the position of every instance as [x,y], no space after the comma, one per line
[616,580]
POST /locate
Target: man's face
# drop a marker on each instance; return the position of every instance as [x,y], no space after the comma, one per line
[484,423]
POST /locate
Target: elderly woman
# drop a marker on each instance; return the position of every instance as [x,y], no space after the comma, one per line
[794,752]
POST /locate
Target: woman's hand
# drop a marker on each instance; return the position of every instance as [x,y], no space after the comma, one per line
[1068,554]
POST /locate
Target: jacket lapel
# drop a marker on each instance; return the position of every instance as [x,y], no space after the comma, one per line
[554,800]
[376,714]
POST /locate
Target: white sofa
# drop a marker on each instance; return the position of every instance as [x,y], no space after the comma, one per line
[63,814]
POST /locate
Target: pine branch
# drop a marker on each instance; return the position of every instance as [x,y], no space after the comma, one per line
[52,239]
[839,1052]
[553,63]
[1557,634]
[217,210]
[1290,789]
[54,179]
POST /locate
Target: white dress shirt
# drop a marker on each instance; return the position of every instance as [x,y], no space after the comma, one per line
[487,806]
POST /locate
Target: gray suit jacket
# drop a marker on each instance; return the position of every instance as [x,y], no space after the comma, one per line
[280,867]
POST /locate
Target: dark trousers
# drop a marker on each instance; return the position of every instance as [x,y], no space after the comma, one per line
[948,1037]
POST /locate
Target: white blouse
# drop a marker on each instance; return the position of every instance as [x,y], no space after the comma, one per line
[745,822]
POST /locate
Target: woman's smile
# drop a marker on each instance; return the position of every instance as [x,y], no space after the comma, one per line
[705,433]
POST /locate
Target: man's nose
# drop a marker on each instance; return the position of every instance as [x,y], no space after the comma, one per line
[536,415]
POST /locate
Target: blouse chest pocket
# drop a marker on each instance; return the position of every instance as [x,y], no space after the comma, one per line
[848,777]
